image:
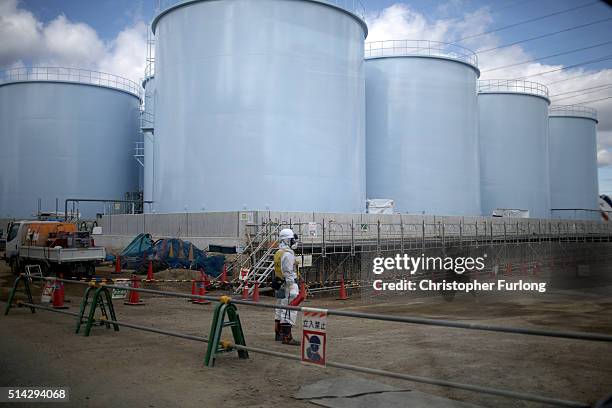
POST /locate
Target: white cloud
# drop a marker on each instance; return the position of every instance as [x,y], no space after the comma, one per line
[604,157]
[61,42]
[126,53]
[19,31]
[400,22]
[71,44]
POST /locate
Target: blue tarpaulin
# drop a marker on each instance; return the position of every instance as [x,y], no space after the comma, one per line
[169,253]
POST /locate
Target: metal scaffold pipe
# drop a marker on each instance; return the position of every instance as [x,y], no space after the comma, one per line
[397,319]
[124,324]
[366,370]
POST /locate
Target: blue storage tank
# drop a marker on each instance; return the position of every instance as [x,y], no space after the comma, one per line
[65,133]
[261,106]
[574,187]
[421,138]
[514,146]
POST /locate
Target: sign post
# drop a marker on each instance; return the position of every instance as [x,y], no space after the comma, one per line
[314,336]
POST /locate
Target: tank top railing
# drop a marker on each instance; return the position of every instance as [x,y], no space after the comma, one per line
[77,75]
[512,85]
[353,6]
[398,48]
[573,110]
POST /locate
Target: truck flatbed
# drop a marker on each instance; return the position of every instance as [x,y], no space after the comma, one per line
[63,255]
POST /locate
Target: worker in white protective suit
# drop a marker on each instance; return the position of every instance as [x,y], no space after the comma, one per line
[285,284]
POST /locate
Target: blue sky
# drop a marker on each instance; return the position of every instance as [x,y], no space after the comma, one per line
[115,30]
[108,17]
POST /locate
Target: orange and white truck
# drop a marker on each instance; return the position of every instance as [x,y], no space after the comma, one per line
[57,247]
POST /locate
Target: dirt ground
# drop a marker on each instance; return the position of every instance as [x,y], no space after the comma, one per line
[138,369]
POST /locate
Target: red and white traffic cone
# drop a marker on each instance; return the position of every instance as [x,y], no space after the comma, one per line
[150,276]
[245,291]
[223,278]
[343,295]
[205,278]
[256,292]
[118,264]
[134,296]
[202,292]
[193,290]
[58,296]
[303,290]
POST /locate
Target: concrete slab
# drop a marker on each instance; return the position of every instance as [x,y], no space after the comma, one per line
[342,387]
[393,399]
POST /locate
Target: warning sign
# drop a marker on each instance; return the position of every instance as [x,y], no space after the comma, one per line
[120,293]
[314,339]
[312,229]
[47,292]
[244,272]
[303,261]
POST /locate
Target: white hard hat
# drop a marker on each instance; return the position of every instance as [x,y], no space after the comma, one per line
[286,233]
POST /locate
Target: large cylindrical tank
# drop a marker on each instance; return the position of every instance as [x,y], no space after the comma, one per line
[263,106]
[574,187]
[421,138]
[147,123]
[65,133]
[514,147]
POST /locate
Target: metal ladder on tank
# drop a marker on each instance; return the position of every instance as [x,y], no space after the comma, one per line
[265,240]
[139,153]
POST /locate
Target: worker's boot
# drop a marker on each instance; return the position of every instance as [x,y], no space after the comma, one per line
[277,331]
[286,333]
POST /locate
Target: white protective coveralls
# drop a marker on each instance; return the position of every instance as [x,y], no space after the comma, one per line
[290,288]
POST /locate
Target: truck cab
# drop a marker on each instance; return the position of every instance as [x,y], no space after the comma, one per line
[12,247]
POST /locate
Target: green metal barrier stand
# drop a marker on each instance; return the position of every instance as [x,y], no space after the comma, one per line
[103,300]
[215,344]
[14,290]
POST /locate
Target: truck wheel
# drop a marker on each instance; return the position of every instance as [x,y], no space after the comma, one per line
[17,267]
[45,269]
[90,270]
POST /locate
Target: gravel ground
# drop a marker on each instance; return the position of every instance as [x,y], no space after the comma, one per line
[138,369]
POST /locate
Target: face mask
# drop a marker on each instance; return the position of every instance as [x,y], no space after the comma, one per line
[294,242]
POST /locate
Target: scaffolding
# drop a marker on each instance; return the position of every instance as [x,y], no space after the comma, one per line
[335,251]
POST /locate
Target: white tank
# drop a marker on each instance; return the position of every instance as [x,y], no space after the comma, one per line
[574,188]
[261,106]
[514,146]
[65,133]
[421,116]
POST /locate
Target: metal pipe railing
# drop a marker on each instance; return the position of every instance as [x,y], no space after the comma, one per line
[573,110]
[64,74]
[513,86]
[385,373]
[370,316]
[397,48]
[353,6]
[95,200]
